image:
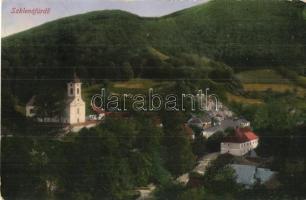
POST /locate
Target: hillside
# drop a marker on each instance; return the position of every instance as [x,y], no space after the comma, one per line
[239,33]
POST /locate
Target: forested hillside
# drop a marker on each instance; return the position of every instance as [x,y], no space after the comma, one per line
[110,44]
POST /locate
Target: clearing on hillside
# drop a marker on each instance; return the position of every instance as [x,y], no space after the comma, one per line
[261,76]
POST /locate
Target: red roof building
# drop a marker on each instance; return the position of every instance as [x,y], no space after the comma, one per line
[240,143]
[241,135]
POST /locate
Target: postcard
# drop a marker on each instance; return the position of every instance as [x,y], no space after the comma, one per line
[153,99]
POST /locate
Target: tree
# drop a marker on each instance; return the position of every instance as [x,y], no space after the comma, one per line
[213,142]
[285,119]
[220,178]
[199,146]
[178,152]
[9,116]
[112,71]
[96,167]
[169,191]
[127,72]
[21,170]
[49,104]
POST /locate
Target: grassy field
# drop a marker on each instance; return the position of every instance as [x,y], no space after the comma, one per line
[261,76]
[132,86]
[241,99]
[159,54]
[135,86]
[282,87]
[267,79]
[301,80]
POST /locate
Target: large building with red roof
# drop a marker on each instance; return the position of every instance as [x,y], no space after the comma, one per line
[240,143]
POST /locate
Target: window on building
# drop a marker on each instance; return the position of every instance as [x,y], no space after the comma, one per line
[71,91]
[78,90]
[78,110]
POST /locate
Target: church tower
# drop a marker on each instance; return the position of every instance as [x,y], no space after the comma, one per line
[75,110]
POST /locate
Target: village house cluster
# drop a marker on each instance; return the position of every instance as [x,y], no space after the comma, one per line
[215,118]
[209,122]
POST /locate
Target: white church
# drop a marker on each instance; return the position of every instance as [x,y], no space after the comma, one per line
[74,112]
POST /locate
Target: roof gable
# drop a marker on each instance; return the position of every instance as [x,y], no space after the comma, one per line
[241,135]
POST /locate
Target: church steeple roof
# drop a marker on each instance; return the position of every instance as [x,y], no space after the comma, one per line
[76,79]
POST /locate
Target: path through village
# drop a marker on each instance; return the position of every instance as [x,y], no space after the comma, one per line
[200,168]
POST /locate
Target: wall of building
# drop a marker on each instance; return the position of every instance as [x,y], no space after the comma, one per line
[51,120]
[29,111]
[77,113]
[231,148]
[74,89]
[238,149]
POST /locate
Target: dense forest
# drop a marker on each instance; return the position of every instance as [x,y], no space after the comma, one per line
[117,45]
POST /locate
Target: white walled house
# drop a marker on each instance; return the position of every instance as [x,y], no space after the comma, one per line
[74,113]
[239,144]
[30,109]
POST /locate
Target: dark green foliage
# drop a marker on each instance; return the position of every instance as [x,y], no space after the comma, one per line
[127,71]
[20,170]
[50,103]
[286,117]
[9,113]
[220,178]
[178,154]
[292,174]
[95,168]
[213,142]
[106,162]
[199,146]
[169,191]
[244,33]
[173,191]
